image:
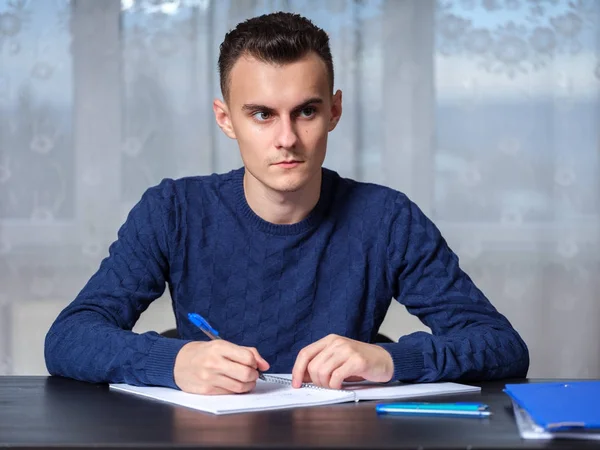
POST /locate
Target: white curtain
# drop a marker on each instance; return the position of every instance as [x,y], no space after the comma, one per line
[485,112]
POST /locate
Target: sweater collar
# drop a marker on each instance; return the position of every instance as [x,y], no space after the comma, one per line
[309,222]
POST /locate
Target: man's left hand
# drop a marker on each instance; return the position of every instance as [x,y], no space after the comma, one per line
[334,359]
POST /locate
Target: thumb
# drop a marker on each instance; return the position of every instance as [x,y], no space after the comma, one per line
[260,361]
[262,364]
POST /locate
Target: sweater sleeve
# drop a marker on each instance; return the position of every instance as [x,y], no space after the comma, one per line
[91,339]
[469,338]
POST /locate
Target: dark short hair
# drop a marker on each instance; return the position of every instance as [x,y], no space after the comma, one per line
[277,38]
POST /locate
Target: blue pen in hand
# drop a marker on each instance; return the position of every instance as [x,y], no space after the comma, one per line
[212,334]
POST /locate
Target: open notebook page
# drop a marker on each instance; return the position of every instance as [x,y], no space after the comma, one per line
[405,391]
[367,390]
[277,393]
[264,397]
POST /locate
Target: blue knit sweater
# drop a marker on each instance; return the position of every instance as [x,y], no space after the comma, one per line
[280,287]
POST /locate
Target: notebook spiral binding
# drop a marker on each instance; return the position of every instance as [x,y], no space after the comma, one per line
[280,380]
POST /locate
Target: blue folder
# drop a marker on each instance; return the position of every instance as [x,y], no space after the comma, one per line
[560,406]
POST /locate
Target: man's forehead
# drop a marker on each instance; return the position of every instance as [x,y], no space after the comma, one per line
[259,82]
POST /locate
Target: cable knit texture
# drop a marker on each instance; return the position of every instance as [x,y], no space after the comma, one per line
[280,287]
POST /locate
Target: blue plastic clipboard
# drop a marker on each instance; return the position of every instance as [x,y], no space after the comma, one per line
[560,406]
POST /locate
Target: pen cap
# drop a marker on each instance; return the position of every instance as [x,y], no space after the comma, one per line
[201,323]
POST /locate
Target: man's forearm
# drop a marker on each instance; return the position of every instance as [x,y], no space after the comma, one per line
[477,353]
[84,345]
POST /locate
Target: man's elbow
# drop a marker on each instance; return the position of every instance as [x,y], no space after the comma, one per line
[49,346]
[512,356]
[521,357]
[53,351]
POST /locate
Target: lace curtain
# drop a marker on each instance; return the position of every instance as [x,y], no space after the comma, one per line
[485,112]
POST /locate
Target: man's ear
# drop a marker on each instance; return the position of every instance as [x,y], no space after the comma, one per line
[336,110]
[223,118]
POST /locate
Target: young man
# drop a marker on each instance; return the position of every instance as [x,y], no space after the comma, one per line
[293,265]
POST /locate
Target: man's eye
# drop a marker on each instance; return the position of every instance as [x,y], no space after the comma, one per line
[261,116]
[308,112]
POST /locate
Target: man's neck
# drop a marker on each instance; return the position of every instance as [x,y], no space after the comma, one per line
[282,208]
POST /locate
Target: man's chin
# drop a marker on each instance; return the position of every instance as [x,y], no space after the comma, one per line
[289,183]
[288,187]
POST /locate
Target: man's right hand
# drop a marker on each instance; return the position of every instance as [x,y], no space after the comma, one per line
[217,367]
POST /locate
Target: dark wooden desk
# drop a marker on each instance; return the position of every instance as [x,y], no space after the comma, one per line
[40,412]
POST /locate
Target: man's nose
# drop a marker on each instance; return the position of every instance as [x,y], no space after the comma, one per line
[286,134]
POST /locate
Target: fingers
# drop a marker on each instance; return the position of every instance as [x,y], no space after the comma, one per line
[217,367]
[205,389]
[354,379]
[341,373]
[236,371]
[262,363]
[246,361]
[323,365]
[247,356]
[304,358]
[331,360]
[241,355]
[233,386]
[242,372]
[222,385]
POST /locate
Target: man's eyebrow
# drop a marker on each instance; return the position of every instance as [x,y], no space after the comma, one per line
[304,104]
[310,101]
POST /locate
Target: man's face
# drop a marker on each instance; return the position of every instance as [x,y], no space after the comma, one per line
[280,116]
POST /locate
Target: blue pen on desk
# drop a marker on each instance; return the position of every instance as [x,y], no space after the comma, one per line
[212,334]
[460,406]
[434,409]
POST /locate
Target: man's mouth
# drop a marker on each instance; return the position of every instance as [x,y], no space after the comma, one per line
[289,163]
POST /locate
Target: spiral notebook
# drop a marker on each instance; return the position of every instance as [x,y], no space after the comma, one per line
[277,393]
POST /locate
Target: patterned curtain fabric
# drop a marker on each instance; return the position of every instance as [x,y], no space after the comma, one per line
[485,112]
